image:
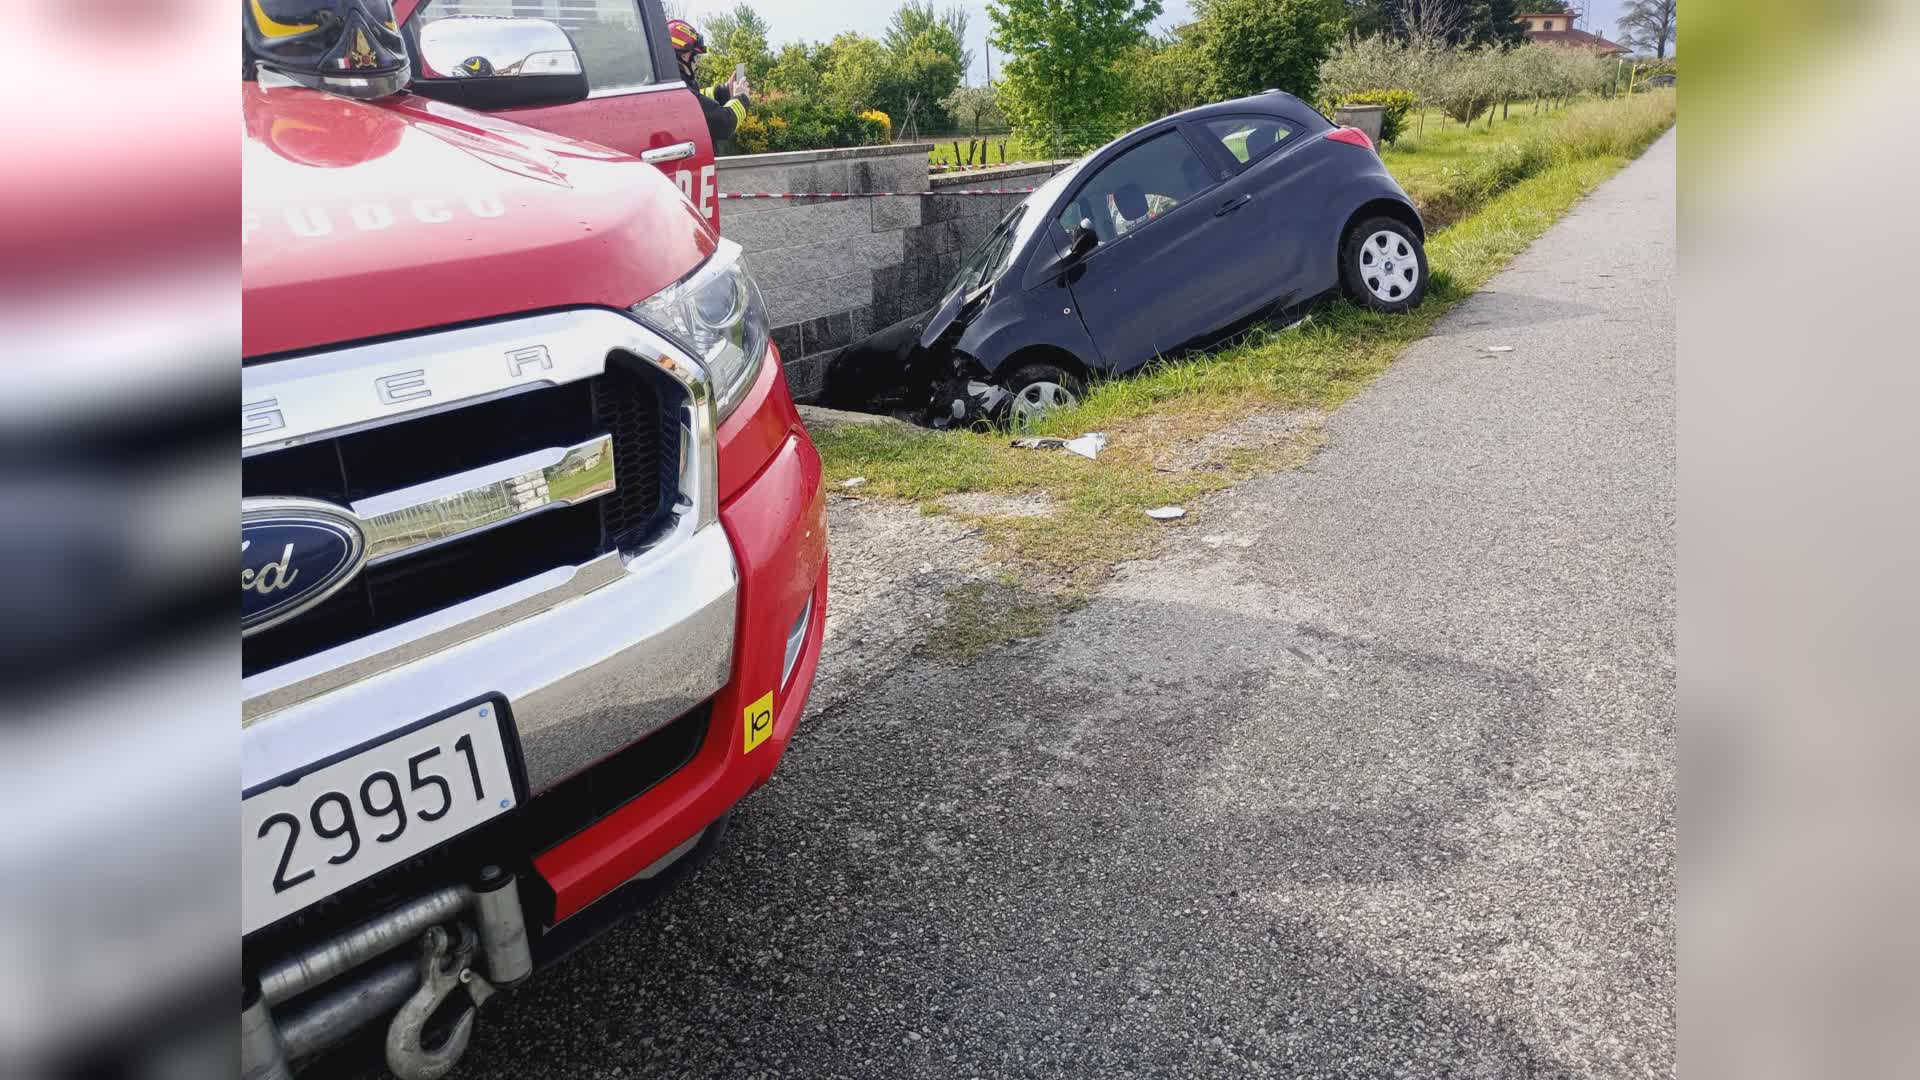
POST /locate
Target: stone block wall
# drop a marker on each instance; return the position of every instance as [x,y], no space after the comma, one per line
[836,270]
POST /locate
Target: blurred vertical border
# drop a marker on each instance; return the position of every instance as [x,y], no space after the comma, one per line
[1800,522]
[119,326]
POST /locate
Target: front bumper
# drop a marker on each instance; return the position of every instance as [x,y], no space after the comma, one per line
[584,677]
[593,659]
[777,522]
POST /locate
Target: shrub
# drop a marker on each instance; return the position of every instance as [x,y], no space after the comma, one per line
[885,122]
[1396,105]
[780,123]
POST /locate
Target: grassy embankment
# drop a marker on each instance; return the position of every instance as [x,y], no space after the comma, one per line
[1499,189]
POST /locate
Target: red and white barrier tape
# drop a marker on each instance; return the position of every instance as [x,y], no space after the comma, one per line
[867,194]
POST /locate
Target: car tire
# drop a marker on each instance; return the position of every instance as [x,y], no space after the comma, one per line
[1036,389]
[1383,266]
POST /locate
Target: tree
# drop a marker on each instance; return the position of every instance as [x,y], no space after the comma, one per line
[913,80]
[1374,63]
[949,30]
[1431,24]
[973,106]
[1060,71]
[1549,7]
[735,37]
[927,58]
[796,70]
[1363,19]
[1471,85]
[1650,25]
[1491,22]
[1254,45]
[1163,75]
[852,67]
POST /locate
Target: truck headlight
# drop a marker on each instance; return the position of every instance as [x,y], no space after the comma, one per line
[716,313]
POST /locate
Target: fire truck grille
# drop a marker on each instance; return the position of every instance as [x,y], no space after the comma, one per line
[639,408]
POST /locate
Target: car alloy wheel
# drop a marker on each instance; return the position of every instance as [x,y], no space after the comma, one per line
[1036,399]
[1388,266]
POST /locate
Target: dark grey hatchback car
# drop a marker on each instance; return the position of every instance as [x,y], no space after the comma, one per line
[1171,236]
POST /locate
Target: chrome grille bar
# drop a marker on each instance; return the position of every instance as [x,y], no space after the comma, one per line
[415,518]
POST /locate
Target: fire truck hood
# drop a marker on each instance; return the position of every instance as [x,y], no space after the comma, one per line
[363,219]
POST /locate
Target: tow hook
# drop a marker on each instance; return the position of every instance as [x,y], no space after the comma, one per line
[443,973]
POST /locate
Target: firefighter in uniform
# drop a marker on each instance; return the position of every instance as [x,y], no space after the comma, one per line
[725,104]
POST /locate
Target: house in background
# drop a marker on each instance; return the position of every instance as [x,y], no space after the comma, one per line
[1556,28]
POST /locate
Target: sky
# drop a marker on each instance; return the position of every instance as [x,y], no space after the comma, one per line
[819,20]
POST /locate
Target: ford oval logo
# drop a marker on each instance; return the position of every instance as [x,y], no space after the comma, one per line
[294,553]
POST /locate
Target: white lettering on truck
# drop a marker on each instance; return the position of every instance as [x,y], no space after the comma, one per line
[314,222]
[372,217]
[699,189]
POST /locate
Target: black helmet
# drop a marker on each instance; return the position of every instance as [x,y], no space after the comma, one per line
[348,47]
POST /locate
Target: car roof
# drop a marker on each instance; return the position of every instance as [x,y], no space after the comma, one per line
[1275,102]
[1272,102]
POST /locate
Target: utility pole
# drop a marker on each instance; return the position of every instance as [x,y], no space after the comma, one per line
[989,44]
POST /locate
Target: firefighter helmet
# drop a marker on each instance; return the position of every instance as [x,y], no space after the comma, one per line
[347,47]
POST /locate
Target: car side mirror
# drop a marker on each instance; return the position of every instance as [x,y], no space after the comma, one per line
[1083,240]
[499,62]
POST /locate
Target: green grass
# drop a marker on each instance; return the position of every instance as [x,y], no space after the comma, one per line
[1156,420]
[1451,169]
[1017,150]
[571,485]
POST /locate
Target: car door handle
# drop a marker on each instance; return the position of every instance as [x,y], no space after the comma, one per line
[1232,204]
[660,155]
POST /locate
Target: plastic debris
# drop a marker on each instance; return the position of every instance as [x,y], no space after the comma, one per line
[1167,513]
[853,482]
[1499,348]
[1087,446]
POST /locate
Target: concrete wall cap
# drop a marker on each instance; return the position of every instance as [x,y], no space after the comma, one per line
[794,157]
[998,172]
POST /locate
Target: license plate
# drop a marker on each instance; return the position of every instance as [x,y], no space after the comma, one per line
[309,836]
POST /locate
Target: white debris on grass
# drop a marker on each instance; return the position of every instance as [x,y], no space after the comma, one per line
[853,482]
[1167,513]
[1087,446]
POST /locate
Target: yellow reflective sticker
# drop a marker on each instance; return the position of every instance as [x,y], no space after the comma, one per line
[274,29]
[759,725]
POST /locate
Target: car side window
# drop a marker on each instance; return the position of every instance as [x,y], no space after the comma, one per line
[1138,187]
[610,34]
[1249,138]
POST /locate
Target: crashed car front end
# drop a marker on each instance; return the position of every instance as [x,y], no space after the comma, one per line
[941,368]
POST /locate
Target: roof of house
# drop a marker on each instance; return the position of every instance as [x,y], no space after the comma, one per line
[1575,39]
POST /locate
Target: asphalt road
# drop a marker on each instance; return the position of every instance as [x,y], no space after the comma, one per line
[1372,776]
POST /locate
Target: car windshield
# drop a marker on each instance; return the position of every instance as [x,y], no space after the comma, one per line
[990,259]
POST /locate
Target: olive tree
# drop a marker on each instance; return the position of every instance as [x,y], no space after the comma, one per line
[975,107]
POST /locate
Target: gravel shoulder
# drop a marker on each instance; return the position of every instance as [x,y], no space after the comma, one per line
[1370,775]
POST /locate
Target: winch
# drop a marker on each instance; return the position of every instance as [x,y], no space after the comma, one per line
[286,1014]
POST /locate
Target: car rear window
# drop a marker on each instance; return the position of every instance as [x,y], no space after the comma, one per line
[1249,138]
